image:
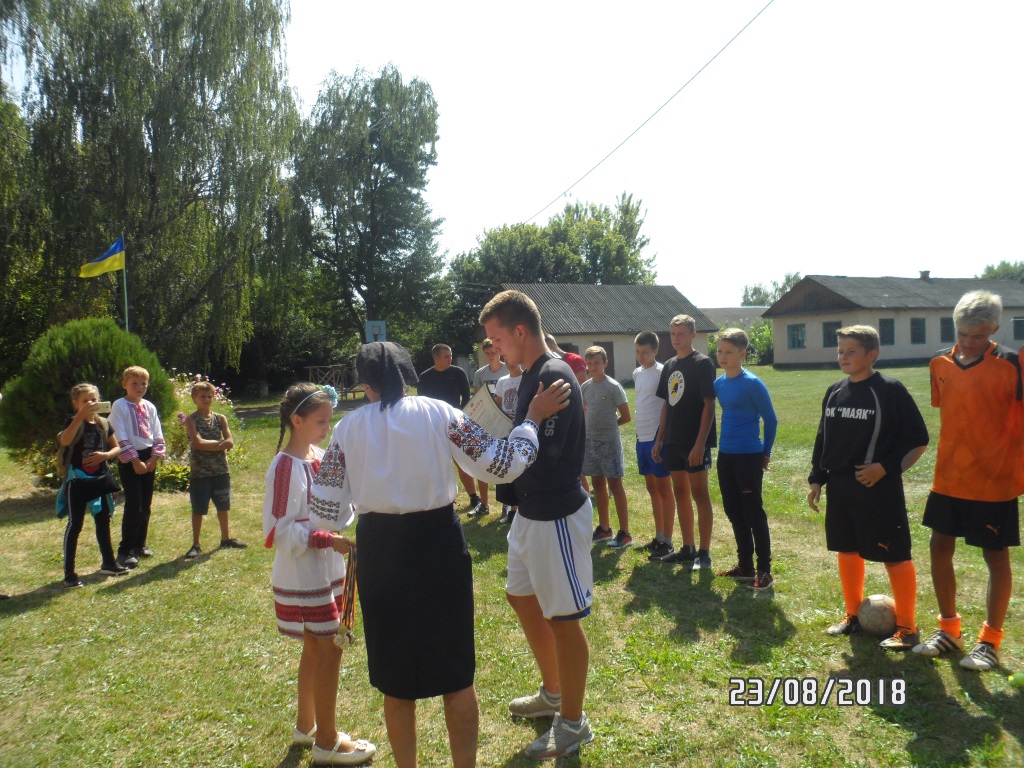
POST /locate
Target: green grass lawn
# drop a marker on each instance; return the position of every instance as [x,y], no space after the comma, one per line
[180,662]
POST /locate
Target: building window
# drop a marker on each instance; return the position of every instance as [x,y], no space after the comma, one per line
[917,330]
[887,331]
[828,333]
[1018,328]
[796,335]
[947,333]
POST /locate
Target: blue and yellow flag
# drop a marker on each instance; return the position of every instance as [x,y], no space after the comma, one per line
[111,261]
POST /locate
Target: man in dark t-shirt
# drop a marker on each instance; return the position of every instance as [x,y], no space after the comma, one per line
[550,572]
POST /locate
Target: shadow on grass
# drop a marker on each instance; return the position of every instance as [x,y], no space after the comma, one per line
[485,538]
[680,593]
[540,726]
[39,505]
[296,756]
[757,623]
[945,732]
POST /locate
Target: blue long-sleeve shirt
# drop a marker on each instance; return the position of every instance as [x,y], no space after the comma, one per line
[745,404]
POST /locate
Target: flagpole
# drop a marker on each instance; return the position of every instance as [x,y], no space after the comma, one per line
[124,275]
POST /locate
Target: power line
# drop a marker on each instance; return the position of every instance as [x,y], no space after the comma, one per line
[645,122]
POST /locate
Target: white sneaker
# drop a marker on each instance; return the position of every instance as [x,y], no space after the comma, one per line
[940,642]
[539,704]
[982,656]
[561,739]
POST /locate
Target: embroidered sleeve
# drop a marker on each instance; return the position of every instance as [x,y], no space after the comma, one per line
[484,457]
[320,540]
[285,525]
[330,499]
[123,433]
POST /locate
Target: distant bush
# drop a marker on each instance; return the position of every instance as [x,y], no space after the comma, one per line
[35,404]
[762,342]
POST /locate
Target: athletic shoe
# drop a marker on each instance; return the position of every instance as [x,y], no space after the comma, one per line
[982,657]
[702,561]
[763,581]
[474,500]
[601,534]
[508,517]
[539,704]
[193,553]
[647,547]
[363,753]
[738,573]
[561,739]
[660,550]
[479,510]
[505,509]
[622,540]
[902,640]
[113,569]
[128,560]
[940,642]
[233,544]
[686,554]
[849,625]
[143,551]
[73,581]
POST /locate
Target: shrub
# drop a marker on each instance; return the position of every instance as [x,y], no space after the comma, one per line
[35,404]
[761,340]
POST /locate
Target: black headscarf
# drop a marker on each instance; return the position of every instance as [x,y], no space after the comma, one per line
[387,368]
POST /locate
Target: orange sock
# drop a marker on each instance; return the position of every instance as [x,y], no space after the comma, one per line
[851,575]
[990,635]
[903,580]
[950,626]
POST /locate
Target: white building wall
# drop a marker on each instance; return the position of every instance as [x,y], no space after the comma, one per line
[818,350]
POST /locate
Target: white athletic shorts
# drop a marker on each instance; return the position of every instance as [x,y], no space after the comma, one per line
[551,559]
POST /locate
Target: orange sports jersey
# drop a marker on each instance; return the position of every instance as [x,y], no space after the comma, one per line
[982,435]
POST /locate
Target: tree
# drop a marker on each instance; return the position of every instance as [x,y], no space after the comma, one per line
[1004,270]
[760,295]
[361,171]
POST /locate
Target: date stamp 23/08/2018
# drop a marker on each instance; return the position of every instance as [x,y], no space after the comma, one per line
[810,692]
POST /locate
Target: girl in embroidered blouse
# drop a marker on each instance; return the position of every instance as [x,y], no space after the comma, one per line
[309,576]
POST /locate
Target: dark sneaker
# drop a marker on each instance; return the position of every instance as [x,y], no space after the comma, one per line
[73,581]
[128,560]
[194,552]
[686,554]
[939,643]
[601,534]
[982,657]
[474,502]
[646,547]
[561,739]
[113,569]
[660,550]
[232,544]
[703,560]
[762,582]
[848,625]
[143,552]
[479,510]
[622,540]
[738,573]
[902,640]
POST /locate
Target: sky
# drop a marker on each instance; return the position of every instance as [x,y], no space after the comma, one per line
[841,138]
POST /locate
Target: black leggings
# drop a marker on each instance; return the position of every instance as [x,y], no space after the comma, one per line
[76,519]
[739,480]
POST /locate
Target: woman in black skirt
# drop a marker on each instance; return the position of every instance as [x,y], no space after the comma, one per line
[392,460]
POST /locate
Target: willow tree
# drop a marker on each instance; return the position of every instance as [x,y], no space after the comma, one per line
[167,121]
[362,170]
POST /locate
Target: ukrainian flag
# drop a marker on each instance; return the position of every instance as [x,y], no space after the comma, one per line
[111,261]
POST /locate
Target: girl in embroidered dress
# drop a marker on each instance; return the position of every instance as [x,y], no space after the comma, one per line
[309,575]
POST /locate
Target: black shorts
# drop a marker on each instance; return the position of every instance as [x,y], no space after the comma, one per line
[677,459]
[869,521]
[203,490]
[986,524]
[415,582]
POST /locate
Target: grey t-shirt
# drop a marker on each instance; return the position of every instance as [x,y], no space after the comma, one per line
[486,376]
[602,400]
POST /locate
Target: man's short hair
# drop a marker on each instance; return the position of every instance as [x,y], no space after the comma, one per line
[512,308]
[648,339]
[977,308]
[134,372]
[594,352]
[686,320]
[204,386]
[550,340]
[865,334]
[437,349]
[735,336]
[486,344]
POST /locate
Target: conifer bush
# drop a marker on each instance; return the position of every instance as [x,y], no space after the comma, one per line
[35,404]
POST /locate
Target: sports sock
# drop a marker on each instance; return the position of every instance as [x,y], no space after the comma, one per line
[950,626]
[990,635]
[851,575]
[903,579]
[553,698]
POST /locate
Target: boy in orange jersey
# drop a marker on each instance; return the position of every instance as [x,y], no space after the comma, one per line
[979,472]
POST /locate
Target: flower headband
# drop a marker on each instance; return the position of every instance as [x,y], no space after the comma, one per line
[327,389]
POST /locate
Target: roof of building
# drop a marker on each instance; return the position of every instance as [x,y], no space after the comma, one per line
[568,308]
[816,293]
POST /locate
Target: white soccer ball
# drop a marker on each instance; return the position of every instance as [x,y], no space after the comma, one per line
[877,615]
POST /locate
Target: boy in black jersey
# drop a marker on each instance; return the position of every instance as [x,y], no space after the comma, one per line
[870,432]
[550,572]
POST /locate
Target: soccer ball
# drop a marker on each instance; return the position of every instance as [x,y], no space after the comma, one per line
[877,615]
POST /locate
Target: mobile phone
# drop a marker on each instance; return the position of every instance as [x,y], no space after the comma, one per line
[102,407]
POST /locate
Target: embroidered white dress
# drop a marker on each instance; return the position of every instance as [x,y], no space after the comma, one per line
[308,575]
